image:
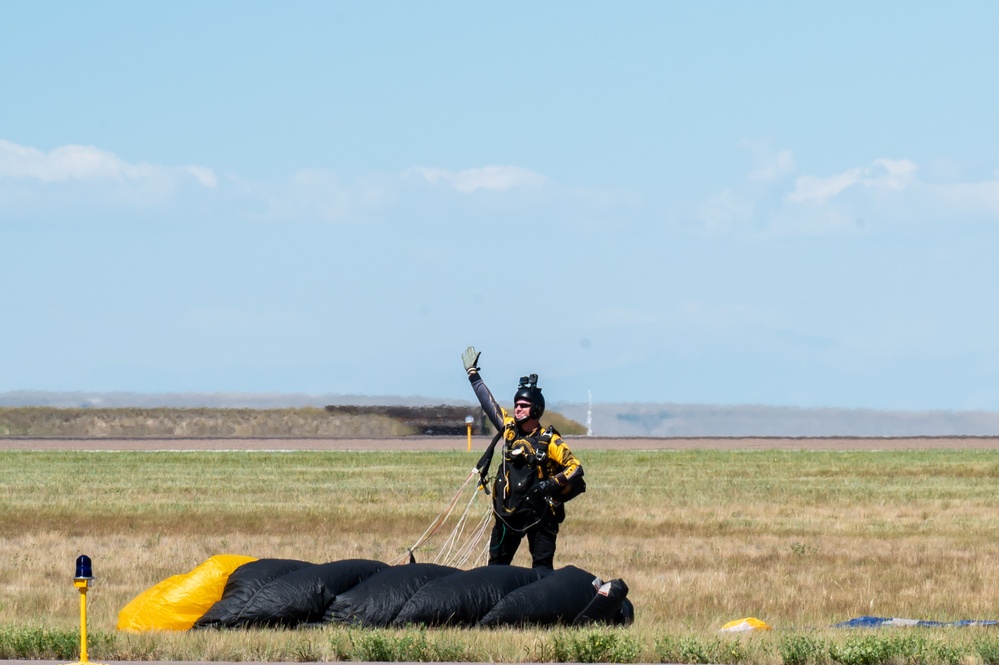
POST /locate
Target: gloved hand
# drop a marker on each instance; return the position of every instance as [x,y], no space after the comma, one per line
[484,480]
[540,494]
[470,358]
[545,488]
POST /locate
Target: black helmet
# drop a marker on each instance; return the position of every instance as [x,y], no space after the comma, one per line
[529,391]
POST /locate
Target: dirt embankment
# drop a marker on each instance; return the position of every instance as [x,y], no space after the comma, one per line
[352,422]
[194,423]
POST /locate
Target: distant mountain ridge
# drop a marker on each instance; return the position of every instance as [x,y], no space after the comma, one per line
[604,419]
[685,420]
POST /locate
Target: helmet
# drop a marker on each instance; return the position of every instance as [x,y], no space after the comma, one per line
[528,390]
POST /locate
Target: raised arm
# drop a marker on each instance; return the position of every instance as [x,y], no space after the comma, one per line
[493,411]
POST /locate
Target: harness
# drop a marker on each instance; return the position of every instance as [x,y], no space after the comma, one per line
[521,468]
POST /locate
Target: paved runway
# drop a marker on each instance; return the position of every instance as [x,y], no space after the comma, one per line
[458,443]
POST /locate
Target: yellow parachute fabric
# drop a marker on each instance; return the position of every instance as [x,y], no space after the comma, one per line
[178,601]
[744,625]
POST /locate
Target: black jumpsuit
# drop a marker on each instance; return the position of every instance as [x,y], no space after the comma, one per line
[528,458]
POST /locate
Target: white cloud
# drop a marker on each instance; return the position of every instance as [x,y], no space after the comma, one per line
[813,188]
[899,173]
[769,165]
[886,191]
[884,174]
[204,175]
[782,165]
[969,195]
[320,193]
[726,209]
[737,206]
[497,178]
[87,163]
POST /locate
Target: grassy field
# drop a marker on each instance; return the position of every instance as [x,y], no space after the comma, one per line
[801,540]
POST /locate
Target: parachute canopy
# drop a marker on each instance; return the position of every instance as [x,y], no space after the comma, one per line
[744,625]
[242,592]
[178,601]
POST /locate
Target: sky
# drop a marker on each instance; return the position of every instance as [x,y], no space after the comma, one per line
[772,203]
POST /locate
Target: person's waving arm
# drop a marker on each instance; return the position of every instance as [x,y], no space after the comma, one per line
[493,411]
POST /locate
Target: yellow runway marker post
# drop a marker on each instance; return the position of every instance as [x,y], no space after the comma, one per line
[84,577]
[468,424]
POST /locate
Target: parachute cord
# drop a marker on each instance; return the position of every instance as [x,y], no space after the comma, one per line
[448,545]
[451,553]
[523,529]
[454,551]
[465,553]
[438,521]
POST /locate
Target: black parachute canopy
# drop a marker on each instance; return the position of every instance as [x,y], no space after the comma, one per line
[377,601]
[290,593]
[290,599]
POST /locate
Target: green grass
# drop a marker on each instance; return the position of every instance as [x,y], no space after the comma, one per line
[801,540]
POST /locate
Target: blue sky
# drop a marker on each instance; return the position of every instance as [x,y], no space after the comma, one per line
[778,203]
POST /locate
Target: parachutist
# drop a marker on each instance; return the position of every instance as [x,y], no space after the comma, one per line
[538,472]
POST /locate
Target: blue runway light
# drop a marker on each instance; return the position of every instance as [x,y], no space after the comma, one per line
[84,568]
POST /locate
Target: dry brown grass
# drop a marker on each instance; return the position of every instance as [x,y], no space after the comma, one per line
[701,538]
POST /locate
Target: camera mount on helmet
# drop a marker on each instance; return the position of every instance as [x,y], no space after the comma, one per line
[528,391]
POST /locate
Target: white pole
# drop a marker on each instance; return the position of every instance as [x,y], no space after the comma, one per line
[589,414]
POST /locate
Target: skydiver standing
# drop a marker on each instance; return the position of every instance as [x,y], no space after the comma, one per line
[536,476]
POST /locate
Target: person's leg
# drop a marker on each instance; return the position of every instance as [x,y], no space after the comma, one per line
[503,544]
[541,540]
